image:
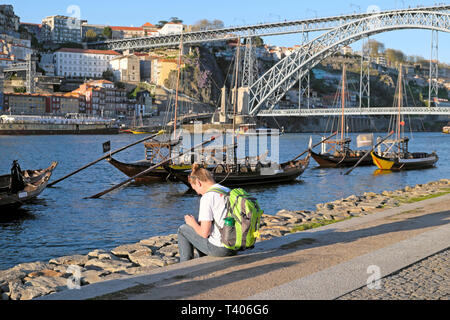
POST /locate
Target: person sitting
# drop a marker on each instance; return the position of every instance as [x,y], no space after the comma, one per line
[204,234]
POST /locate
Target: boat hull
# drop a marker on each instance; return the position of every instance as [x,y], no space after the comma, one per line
[330,161]
[156,175]
[290,172]
[36,182]
[417,161]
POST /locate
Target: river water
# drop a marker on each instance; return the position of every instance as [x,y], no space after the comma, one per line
[61,222]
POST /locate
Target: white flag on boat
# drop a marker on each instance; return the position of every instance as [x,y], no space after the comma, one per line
[364,140]
[310,142]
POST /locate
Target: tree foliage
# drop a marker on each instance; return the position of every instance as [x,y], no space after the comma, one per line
[205,24]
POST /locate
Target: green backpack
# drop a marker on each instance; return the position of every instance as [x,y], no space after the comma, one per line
[242,220]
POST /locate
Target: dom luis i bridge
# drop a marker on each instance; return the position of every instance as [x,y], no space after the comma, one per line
[259,95]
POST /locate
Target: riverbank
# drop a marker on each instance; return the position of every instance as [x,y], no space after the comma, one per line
[31,280]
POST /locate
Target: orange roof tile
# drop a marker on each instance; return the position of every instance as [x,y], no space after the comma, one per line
[89,51]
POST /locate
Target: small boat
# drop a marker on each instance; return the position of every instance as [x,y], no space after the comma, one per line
[404,160]
[132,169]
[20,186]
[250,175]
[446,129]
[345,157]
[340,154]
[250,129]
[396,155]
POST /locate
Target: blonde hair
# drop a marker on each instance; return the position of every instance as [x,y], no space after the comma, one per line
[200,173]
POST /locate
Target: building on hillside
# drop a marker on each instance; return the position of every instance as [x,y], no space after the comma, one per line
[25,103]
[82,63]
[145,63]
[61,29]
[102,98]
[127,32]
[9,21]
[126,68]
[35,29]
[171,28]
[161,68]
[150,29]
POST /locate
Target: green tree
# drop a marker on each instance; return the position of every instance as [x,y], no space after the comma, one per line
[176,20]
[91,35]
[107,32]
[374,47]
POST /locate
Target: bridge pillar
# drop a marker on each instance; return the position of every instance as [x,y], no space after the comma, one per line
[223,116]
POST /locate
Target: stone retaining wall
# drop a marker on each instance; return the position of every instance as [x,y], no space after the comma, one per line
[30,280]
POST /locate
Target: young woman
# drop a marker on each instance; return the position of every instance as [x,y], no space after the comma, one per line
[204,234]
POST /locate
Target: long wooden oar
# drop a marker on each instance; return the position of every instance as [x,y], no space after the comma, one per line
[104,157]
[98,195]
[327,138]
[373,148]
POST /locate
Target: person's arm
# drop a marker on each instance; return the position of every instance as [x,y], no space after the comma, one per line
[203,229]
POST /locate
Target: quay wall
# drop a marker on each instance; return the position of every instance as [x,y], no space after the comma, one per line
[55,128]
[430,123]
[31,280]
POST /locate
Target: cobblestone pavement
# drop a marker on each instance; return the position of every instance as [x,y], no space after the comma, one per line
[428,279]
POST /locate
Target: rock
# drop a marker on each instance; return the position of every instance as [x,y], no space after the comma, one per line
[170,250]
[36,287]
[127,249]
[96,253]
[141,258]
[109,265]
[76,259]
[46,273]
[159,241]
[93,276]
[11,275]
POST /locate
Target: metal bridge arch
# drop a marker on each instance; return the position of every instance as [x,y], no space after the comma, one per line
[273,85]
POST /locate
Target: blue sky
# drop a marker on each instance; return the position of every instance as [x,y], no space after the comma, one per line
[234,12]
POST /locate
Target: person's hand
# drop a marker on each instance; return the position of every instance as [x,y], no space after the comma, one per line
[190,220]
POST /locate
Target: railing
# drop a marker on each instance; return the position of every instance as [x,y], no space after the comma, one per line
[354,111]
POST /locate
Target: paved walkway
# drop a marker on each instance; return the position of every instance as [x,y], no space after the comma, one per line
[387,251]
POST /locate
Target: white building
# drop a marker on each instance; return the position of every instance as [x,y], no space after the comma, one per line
[171,28]
[126,68]
[82,63]
[61,29]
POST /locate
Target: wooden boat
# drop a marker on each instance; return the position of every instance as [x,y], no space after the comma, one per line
[345,157]
[132,169]
[340,154]
[396,155]
[446,129]
[20,186]
[250,175]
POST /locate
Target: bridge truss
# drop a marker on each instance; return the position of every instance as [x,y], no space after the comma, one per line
[256,30]
[268,90]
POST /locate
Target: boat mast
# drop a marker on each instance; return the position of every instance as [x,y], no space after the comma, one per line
[399,102]
[176,90]
[235,98]
[343,107]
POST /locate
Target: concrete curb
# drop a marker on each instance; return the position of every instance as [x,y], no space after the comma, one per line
[351,274]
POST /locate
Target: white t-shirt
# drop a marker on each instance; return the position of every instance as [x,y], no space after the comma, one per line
[212,208]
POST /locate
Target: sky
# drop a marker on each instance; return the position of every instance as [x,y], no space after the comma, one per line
[237,12]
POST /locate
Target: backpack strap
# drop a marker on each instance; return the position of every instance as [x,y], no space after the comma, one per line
[227,203]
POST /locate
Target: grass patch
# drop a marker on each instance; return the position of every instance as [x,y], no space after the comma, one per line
[312,225]
[429,196]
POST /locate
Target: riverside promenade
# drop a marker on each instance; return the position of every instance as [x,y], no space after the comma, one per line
[397,253]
